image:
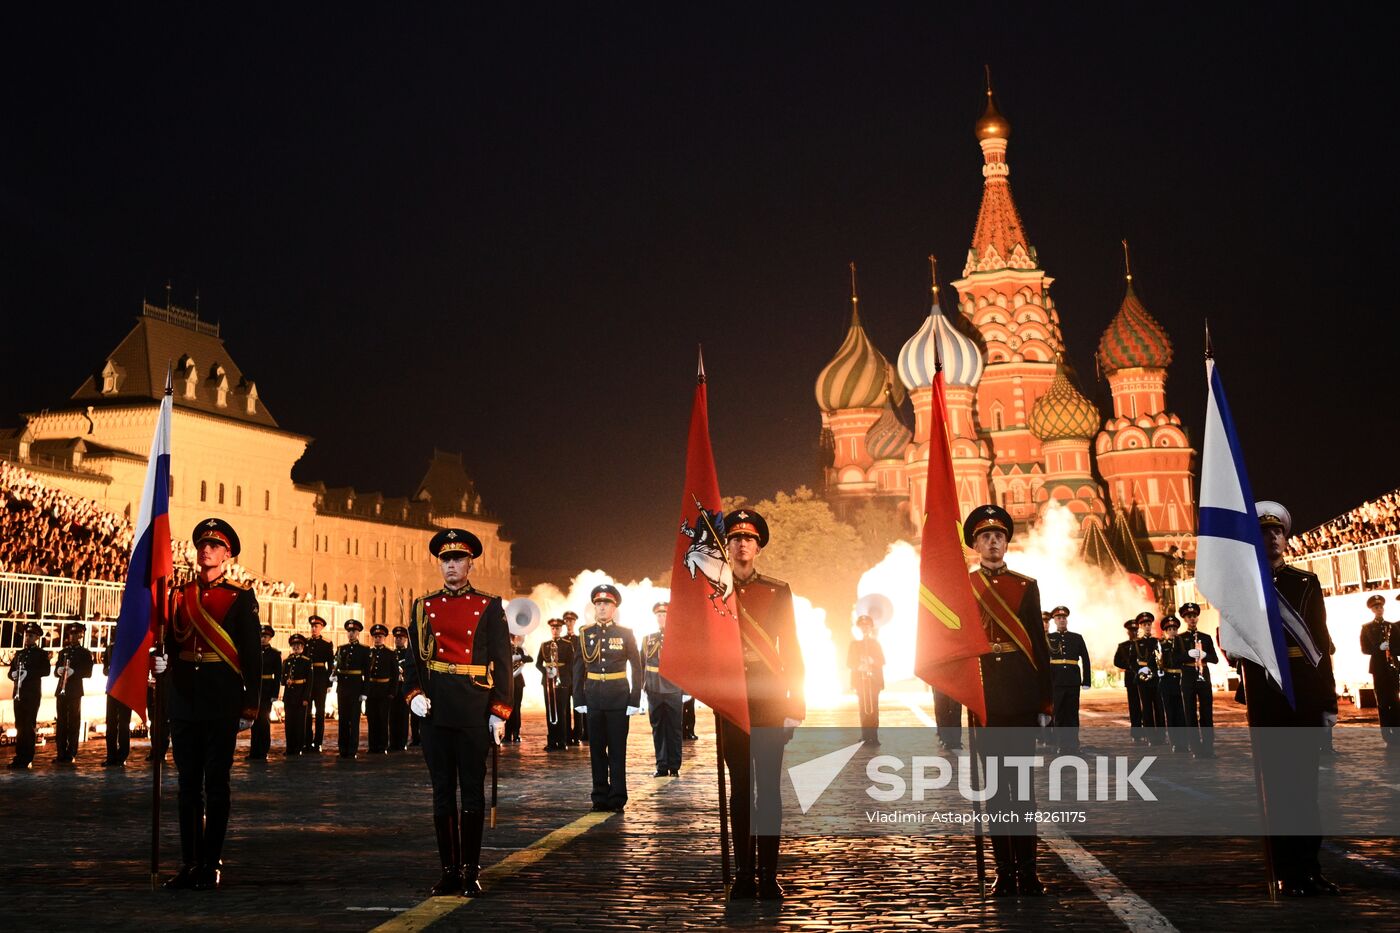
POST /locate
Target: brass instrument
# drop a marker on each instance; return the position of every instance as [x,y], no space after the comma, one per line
[1389,639]
[1200,656]
[18,672]
[63,658]
[866,694]
[1144,672]
[550,652]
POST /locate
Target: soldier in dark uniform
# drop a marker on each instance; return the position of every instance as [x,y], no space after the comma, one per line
[518,660]
[773,674]
[1154,720]
[322,657]
[215,675]
[73,666]
[1125,658]
[158,730]
[1171,655]
[381,676]
[606,651]
[1196,692]
[1070,673]
[1289,768]
[458,671]
[1016,682]
[663,700]
[261,739]
[118,723]
[578,722]
[28,668]
[402,723]
[1376,642]
[866,661]
[555,664]
[947,718]
[351,662]
[296,695]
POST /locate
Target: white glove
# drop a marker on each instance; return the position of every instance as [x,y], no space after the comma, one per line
[580,709]
[244,724]
[497,725]
[633,710]
[159,663]
[363,698]
[790,723]
[1329,719]
[1159,674]
[66,670]
[1195,653]
[1385,646]
[1085,686]
[685,698]
[1043,719]
[420,705]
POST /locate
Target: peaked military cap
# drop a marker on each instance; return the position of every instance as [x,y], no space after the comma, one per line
[1145,616]
[267,630]
[33,628]
[1130,625]
[297,639]
[570,615]
[1376,600]
[746,522]
[606,590]
[72,627]
[354,625]
[555,623]
[1273,514]
[216,529]
[452,541]
[986,517]
[1059,609]
[661,606]
[1190,609]
[315,620]
[379,628]
[400,630]
[1170,622]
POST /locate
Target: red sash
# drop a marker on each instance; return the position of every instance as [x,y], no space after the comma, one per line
[999,613]
[754,635]
[209,629]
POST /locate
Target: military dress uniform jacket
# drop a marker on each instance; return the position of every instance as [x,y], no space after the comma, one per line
[296,678]
[203,684]
[858,654]
[1190,640]
[1372,634]
[606,652]
[36,666]
[401,683]
[322,657]
[80,660]
[271,674]
[1016,675]
[459,656]
[381,672]
[654,683]
[1069,658]
[351,663]
[1134,655]
[1314,688]
[773,667]
[558,651]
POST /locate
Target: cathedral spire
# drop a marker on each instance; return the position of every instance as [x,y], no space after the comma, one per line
[999,240]
[855,297]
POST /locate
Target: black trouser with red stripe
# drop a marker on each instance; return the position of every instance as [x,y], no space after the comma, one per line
[203,757]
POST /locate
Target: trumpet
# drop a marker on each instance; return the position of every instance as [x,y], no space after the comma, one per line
[63,667]
[551,681]
[1200,656]
[867,694]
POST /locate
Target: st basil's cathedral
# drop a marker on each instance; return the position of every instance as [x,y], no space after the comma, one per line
[1022,433]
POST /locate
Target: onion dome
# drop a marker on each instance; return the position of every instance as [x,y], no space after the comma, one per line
[962,359]
[858,374]
[992,125]
[1062,413]
[1134,338]
[888,437]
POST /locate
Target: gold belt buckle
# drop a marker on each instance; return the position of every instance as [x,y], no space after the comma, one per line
[452,668]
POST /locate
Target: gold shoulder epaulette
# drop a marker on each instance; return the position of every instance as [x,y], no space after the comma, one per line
[771,581]
[236,584]
[486,596]
[1020,576]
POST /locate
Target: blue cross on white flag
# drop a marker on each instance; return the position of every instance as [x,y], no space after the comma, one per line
[1232,570]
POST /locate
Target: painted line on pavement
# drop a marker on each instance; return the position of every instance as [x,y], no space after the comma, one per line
[921,715]
[1136,913]
[434,909]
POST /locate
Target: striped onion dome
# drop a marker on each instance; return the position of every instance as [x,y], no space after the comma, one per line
[857,375]
[888,437]
[1062,413]
[1134,339]
[962,360]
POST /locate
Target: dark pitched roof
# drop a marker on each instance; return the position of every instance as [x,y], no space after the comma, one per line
[163,337]
[447,486]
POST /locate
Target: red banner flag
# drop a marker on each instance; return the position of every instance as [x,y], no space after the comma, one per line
[703,654]
[951,637]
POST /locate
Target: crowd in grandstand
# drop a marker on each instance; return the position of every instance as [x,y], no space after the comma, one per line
[1378,518]
[48,533]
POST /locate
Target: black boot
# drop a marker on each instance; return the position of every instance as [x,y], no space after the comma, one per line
[471,852]
[743,887]
[1005,857]
[451,881]
[768,887]
[209,877]
[1027,881]
[182,880]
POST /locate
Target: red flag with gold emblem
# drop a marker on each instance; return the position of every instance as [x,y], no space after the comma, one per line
[703,654]
[950,637]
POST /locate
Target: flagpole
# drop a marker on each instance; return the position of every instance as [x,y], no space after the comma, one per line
[155,722]
[974,729]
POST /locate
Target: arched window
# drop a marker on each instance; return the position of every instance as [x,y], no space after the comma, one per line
[356,594]
[324,597]
[267,499]
[238,497]
[221,494]
[203,491]
[171,491]
[294,536]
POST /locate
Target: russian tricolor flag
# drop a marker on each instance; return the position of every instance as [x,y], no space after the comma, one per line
[143,600]
[1231,567]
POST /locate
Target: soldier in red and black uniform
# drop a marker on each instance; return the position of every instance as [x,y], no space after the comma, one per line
[214,678]
[1016,681]
[459,675]
[773,674]
[322,657]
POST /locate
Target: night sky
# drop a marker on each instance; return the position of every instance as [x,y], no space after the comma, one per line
[506,236]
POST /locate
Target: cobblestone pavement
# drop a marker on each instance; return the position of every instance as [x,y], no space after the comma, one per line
[321,843]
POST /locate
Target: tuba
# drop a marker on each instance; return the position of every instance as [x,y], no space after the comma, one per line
[880,610]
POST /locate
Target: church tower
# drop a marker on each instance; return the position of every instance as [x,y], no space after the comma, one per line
[1006,295]
[938,339]
[1065,421]
[1143,453]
